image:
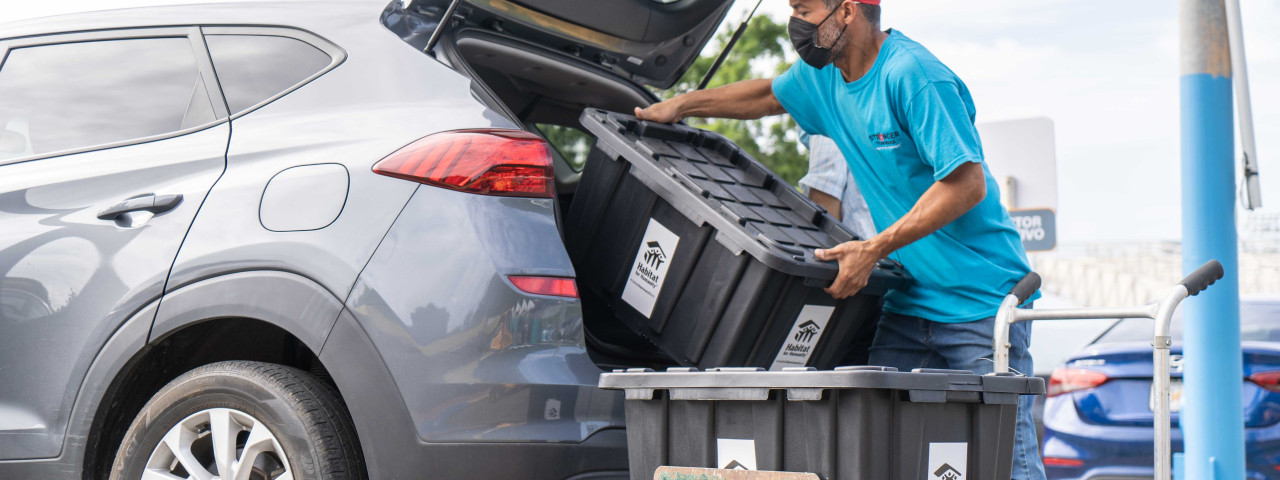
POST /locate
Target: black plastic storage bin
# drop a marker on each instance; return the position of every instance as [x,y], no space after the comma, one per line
[708,255]
[853,423]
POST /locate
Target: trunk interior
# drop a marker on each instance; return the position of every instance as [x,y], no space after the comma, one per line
[546,92]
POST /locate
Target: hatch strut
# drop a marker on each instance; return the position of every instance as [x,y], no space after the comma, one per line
[444,21]
[727,48]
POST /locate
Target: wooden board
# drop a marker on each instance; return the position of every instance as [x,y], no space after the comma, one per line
[690,473]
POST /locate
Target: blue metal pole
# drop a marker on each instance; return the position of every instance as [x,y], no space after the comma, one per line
[1212,419]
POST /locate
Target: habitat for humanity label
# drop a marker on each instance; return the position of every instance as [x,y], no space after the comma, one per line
[649,270]
[804,336]
[736,453]
[947,461]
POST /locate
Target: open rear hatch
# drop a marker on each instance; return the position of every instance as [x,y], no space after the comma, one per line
[650,42]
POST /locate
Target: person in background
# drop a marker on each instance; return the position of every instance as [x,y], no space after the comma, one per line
[828,183]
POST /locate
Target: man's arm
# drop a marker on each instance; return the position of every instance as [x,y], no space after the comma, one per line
[829,202]
[941,204]
[745,100]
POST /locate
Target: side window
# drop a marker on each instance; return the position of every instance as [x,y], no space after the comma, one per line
[254,68]
[74,95]
[572,143]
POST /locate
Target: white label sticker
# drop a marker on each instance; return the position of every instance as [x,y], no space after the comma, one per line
[649,271]
[552,412]
[947,461]
[809,326]
[736,454]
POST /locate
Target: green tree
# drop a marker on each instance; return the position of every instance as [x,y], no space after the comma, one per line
[760,53]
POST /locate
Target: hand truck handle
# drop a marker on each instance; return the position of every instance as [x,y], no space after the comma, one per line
[1005,316]
[1027,287]
[1200,279]
[1195,283]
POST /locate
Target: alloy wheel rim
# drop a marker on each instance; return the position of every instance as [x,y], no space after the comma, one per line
[218,444]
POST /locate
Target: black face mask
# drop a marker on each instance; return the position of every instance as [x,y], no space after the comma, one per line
[804,37]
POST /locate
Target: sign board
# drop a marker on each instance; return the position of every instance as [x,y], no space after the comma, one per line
[1038,228]
[1021,156]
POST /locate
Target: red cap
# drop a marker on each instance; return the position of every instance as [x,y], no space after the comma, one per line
[868,2]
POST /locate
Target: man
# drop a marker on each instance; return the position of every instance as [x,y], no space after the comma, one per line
[829,184]
[904,122]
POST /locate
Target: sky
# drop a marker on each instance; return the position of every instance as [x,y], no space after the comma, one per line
[1106,73]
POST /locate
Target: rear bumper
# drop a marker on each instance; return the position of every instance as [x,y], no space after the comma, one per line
[1121,452]
[393,449]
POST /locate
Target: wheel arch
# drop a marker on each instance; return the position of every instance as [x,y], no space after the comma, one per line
[269,316]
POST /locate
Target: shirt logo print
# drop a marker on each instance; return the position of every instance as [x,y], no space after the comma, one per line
[885,141]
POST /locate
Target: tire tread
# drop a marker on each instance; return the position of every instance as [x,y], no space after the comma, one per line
[330,431]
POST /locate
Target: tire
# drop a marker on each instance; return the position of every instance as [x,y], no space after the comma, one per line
[293,425]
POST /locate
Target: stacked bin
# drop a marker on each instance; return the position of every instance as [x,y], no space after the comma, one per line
[853,423]
[708,256]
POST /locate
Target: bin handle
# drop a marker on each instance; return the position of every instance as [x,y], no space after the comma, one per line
[687,181]
[769,242]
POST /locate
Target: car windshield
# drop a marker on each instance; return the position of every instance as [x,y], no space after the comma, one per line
[1259,322]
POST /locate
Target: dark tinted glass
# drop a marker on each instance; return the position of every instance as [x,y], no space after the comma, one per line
[1259,322]
[573,144]
[74,95]
[253,68]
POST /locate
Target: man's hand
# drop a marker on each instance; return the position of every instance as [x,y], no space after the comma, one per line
[857,260]
[744,100]
[942,203]
[667,111]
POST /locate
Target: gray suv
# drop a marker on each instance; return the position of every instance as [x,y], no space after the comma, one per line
[280,241]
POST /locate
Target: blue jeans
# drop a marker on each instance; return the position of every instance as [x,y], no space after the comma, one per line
[912,342]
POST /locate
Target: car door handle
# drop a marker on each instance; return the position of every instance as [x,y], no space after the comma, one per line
[150,203]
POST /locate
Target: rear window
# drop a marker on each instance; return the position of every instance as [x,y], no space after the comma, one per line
[75,95]
[256,68]
[1259,322]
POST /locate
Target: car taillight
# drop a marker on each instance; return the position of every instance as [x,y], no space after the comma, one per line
[1066,380]
[1267,380]
[553,286]
[1063,462]
[509,163]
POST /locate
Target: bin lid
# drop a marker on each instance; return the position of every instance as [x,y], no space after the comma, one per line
[711,180]
[809,384]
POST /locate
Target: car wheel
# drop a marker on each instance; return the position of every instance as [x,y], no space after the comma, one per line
[244,421]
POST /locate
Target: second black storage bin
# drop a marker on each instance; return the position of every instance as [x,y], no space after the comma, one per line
[699,249]
[853,423]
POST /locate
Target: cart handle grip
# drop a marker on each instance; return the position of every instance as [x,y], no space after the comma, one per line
[1026,287]
[1204,276]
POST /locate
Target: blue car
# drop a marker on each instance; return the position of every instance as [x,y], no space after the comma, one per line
[1098,417]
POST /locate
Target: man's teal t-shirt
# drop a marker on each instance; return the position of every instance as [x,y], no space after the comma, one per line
[904,125]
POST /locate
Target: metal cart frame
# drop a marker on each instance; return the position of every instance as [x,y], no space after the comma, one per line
[1161,312]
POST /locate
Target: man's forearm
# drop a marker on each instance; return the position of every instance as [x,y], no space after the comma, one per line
[940,205]
[827,201]
[745,100]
